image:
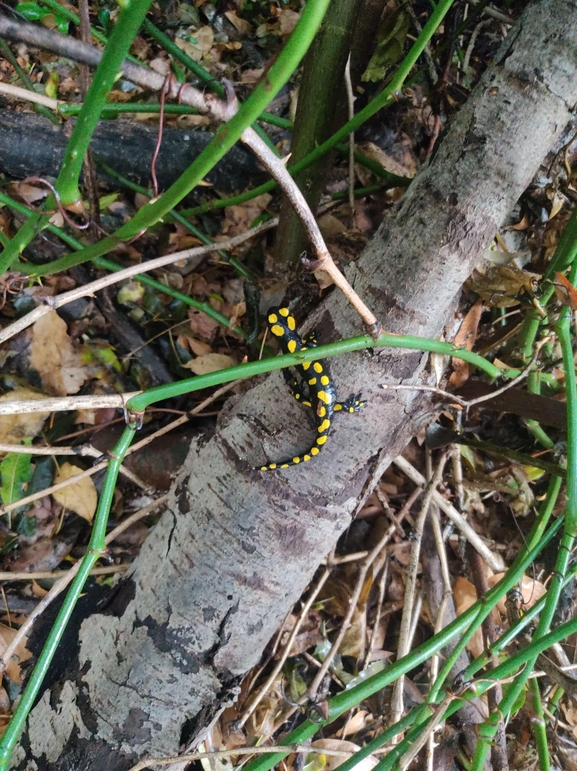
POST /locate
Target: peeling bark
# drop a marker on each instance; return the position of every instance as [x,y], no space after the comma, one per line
[236,548]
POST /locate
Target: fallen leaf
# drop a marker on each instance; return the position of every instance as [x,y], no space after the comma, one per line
[202,326]
[287,21]
[20,655]
[499,285]
[54,358]
[240,218]
[211,362]
[333,761]
[242,25]
[80,497]
[14,428]
[465,338]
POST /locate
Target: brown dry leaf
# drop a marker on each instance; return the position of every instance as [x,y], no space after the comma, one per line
[29,193]
[198,347]
[202,326]
[333,761]
[570,713]
[238,219]
[464,595]
[14,428]
[499,285]
[54,358]
[565,291]
[287,21]
[386,162]
[242,25]
[250,77]
[356,723]
[465,338]
[20,655]
[211,362]
[80,497]
[331,226]
[204,38]
[43,555]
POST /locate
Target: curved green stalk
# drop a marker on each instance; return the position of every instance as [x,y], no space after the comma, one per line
[41,109]
[143,278]
[96,549]
[488,729]
[378,103]
[175,215]
[533,540]
[226,136]
[125,30]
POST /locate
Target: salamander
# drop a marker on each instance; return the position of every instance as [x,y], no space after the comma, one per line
[316,390]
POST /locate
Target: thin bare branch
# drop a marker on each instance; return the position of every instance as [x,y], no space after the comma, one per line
[53,303]
[495,561]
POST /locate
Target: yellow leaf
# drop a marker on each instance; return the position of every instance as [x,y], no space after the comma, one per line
[14,428]
[54,358]
[212,362]
[80,497]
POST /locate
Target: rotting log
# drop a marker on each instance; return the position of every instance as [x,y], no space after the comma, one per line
[236,548]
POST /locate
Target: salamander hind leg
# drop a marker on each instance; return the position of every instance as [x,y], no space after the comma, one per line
[354,403]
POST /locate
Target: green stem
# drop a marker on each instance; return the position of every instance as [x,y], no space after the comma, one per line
[226,136]
[125,30]
[488,729]
[381,101]
[515,571]
[175,215]
[96,550]
[41,109]
[104,264]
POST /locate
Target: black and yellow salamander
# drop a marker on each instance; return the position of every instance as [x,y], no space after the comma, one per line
[316,390]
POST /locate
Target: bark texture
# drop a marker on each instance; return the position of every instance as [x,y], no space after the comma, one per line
[32,145]
[235,548]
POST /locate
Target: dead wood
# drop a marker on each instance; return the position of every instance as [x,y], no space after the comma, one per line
[32,146]
[236,548]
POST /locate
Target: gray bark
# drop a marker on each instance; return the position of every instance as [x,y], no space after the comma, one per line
[236,548]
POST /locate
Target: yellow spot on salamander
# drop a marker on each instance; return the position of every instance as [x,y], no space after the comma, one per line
[292,346]
[325,380]
[321,439]
[305,365]
[285,465]
[321,412]
[324,426]
[290,322]
[272,465]
[277,330]
[317,366]
[296,460]
[273,318]
[284,312]
[313,381]
[306,457]
[315,450]
[324,397]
